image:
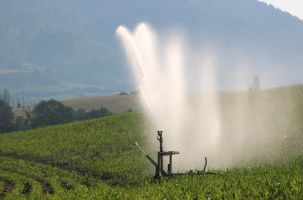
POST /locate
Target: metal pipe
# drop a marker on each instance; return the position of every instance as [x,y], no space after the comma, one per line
[205,164]
[138,145]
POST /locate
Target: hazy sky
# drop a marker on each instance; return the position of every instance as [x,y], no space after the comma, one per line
[295,7]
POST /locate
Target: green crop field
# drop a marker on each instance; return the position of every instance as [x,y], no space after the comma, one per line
[96,159]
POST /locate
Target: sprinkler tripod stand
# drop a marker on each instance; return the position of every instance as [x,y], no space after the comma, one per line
[160,172]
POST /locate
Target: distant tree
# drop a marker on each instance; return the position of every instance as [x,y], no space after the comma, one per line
[51,112]
[256,83]
[98,113]
[80,114]
[6,96]
[23,122]
[134,92]
[123,93]
[19,123]
[6,117]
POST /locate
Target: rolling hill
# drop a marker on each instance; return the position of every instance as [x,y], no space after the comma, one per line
[97,159]
[69,49]
[114,103]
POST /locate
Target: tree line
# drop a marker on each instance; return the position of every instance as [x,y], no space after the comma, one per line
[45,113]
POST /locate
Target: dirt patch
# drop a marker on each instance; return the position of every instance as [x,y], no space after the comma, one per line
[27,188]
[106,177]
[119,183]
[113,180]
[47,188]
[66,185]
[9,186]
[45,160]
[86,183]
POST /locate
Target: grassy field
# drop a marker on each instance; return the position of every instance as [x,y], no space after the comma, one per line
[96,159]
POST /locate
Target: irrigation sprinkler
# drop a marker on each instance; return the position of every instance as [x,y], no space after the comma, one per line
[159,169]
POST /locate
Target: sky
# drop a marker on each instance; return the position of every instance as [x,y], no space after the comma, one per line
[295,7]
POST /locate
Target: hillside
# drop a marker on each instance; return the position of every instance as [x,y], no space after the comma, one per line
[69,49]
[97,159]
[78,156]
[114,103]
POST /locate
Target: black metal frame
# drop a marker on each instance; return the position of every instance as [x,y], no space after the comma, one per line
[160,172]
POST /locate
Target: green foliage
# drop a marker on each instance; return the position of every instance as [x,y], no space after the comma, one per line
[81,114]
[51,112]
[5,96]
[96,159]
[6,117]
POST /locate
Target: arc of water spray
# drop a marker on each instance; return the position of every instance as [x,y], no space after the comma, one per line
[129,42]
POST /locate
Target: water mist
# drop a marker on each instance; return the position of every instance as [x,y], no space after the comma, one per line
[196,124]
